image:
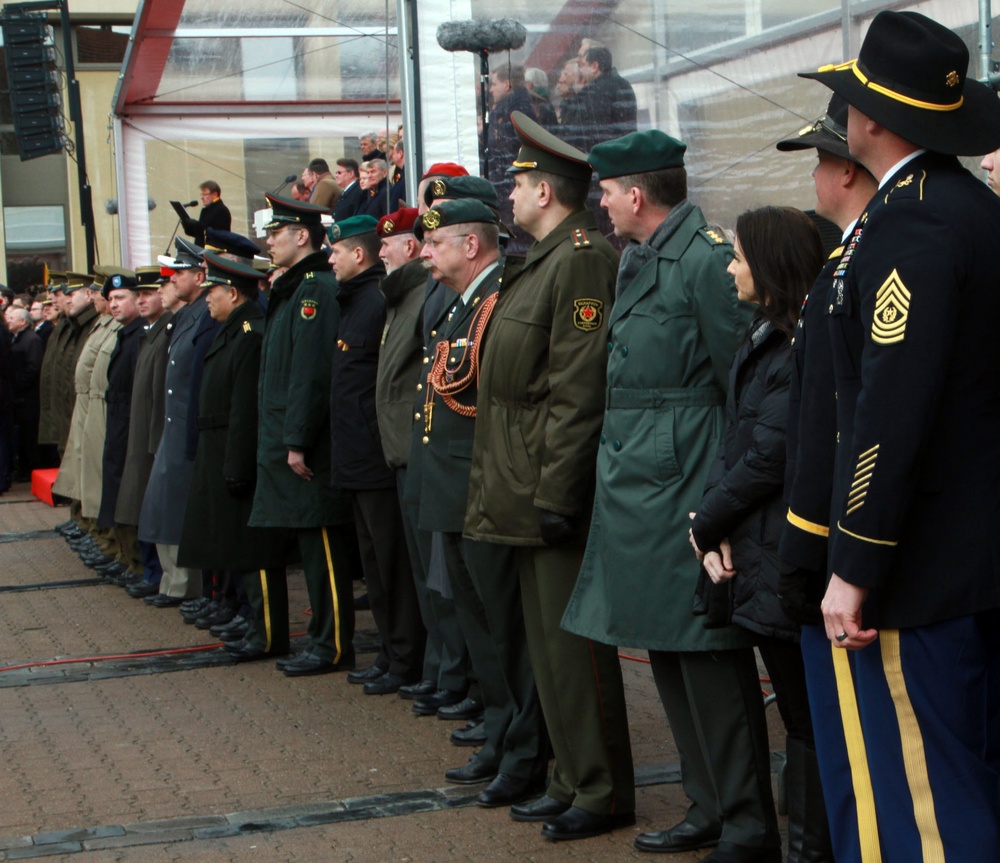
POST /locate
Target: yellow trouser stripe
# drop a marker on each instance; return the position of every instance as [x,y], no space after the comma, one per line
[267,609]
[857,756]
[914,760]
[333,592]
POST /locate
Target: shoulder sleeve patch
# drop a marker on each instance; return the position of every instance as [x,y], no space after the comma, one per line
[309,310]
[588,314]
[580,240]
[892,308]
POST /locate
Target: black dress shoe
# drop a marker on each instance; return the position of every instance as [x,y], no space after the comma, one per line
[306,664]
[243,652]
[681,837]
[474,734]
[197,603]
[473,772]
[430,705]
[112,572]
[543,809]
[84,543]
[237,622]
[198,612]
[96,561]
[142,589]
[577,823]
[467,708]
[285,661]
[366,675]
[728,852]
[420,689]
[63,526]
[507,790]
[387,684]
[161,600]
[222,614]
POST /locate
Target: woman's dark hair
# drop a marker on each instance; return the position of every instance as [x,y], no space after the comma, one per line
[783,249]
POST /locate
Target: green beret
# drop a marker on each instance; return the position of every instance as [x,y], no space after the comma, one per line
[637,153]
[452,188]
[543,151]
[457,212]
[351,227]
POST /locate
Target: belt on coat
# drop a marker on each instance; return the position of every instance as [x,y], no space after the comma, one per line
[708,397]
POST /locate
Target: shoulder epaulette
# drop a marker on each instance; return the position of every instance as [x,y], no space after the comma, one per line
[715,234]
[910,186]
[308,276]
[246,327]
[579,237]
[836,253]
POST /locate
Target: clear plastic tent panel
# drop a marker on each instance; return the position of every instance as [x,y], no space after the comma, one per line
[719,74]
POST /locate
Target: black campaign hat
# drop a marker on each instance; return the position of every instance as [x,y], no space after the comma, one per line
[911,76]
[828,133]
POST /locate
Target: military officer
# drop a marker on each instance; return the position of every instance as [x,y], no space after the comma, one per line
[216,534]
[843,189]
[293,439]
[672,334]
[481,575]
[537,426]
[914,586]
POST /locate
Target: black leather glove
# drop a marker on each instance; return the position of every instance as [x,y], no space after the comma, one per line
[556,529]
[241,488]
[801,592]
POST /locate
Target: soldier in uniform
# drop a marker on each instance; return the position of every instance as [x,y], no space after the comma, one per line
[216,534]
[843,188]
[672,334]
[914,585]
[145,421]
[482,576]
[537,426]
[293,439]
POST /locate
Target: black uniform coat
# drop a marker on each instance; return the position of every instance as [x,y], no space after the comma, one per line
[44,330]
[215,533]
[399,359]
[374,201]
[913,313]
[356,445]
[27,353]
[215,215]
[743,493]
[145,417]
[293,396]
[446,447]
[121,377]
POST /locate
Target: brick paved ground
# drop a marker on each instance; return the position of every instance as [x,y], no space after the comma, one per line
[209,761]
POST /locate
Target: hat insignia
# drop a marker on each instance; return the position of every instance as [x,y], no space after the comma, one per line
[388,226]
[438,188]
[952,79]
[334,232]
[431,219]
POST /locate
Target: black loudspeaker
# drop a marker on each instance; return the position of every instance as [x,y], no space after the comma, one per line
[33,79]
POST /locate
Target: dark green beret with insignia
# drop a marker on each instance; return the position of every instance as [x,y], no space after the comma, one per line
[149,277]
[352,227]
[285,212]
[543,151]
[453,188]
[637,153]
[229,273]
[457,212]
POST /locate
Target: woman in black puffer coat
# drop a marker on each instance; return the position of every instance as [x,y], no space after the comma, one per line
[738,525]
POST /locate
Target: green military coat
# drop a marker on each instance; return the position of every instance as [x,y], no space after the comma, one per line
[541,386]
[672,335]
[300,336]
[215,533]
[48,432]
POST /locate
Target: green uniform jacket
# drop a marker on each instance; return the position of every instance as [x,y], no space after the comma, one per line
[294,399]
[215,533]
[51,370]
[541,386]
[671,339]
[399,359]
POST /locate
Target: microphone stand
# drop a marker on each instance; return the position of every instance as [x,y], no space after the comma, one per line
[285,183]
[484,81]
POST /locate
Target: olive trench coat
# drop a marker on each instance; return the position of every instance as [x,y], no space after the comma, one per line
[70,482]
[215,534]
[671,338]
[145,418]
[300,336]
